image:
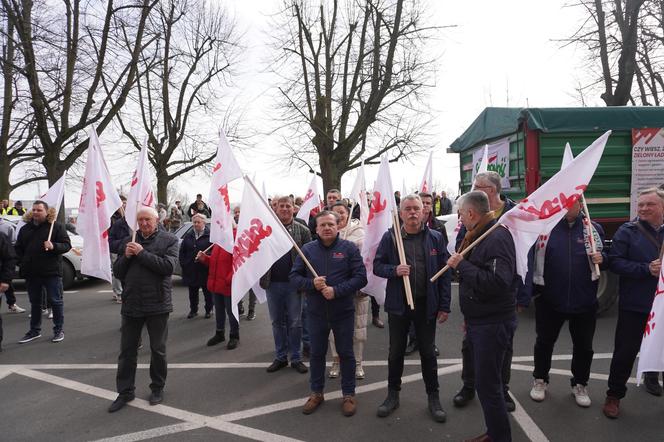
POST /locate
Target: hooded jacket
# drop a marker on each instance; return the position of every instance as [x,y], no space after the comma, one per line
[194,273]
[220,274]
[34,260]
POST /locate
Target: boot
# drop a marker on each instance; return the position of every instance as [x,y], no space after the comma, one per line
[232,342]
[436,410]
[358,349]
[217,338]
[651,379]
[391,403]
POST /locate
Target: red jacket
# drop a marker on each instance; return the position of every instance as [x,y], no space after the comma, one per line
[220,275]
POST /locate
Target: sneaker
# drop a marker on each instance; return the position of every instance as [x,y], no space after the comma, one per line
[313,403]
[50,313]
[581,395]
[611,407]
[251,316]
[299,367]
[45,311]
[58,336]
[15,309]
[30,336]
[359,371]
[334,370]
[192,315]
[348,406]
[538,392]
[412,347]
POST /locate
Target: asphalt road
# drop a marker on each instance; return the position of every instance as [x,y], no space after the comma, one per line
[60,392]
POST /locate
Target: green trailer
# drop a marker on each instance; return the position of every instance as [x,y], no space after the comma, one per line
[537,138]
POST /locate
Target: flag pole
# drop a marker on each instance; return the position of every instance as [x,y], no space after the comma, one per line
[50,231]
[466,250]
[274,215]
[591,238]
[402,258]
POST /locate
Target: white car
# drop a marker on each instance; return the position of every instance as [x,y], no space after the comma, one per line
[71,263]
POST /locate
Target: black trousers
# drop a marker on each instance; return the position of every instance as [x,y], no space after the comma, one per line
[375,308]
[627,343]
[157,326]
[548,323]
[193,299]
[468,364]
[425,330]
[9,294]
[1,333]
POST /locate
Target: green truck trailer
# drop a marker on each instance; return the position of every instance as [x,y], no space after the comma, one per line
[536,138]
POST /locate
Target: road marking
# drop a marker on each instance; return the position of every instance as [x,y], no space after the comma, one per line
[4,372]
[526,423]
[164,410]
[596,376]
[104,291]
[69,292]
[20,293]
[152,433]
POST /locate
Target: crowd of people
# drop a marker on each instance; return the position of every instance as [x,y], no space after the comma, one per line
[319,304]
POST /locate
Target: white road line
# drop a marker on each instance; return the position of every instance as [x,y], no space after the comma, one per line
[104,291]
[69,292]
[164,410]
[596,376]
[4,372]
[152,433]
[21,293]
[526,423]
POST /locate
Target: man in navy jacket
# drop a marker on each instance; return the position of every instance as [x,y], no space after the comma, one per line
[635,256]
[425,255]
[569,293]
[341,273]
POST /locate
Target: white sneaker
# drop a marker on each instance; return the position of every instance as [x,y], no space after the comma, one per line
[581,395]
[15,309]
[50,313]
[538,392]
[334,371]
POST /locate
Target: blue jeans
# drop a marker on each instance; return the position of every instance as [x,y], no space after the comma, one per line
[53,287]
[319,331]
[285,306]
[222,307]
[490,343]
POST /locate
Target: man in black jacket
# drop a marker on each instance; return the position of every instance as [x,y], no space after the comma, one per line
[145,268]
[487,295]
[7,266]
[40,261]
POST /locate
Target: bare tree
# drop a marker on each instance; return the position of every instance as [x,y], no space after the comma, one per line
[73,56]
[184,72]
[354,77]
[17,129]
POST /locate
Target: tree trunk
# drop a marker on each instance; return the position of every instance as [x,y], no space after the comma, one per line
[162,188]
[5,187]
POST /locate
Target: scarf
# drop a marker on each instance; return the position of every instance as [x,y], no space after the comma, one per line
[542,241]
[480,227]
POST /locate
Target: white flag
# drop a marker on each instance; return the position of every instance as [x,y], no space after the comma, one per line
[427,179]
[544,208]
[140,192]
[226,169]
[652,345]
[567,156]
[359,195]
[484,163]
[260,241]
[99,200]
[55,194]
[310,201]
[378,221]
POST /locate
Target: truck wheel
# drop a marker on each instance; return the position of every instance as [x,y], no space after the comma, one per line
[68,275]
[607,291]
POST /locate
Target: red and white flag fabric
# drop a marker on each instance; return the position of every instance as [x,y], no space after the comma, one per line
[225,170]
[543,209]
[427,179]
[261,239]
[99,200]
[359,195]
[310,201]
[568,156]
[378,221]
[55,194]
[140,192]
[484,164]
[651,357]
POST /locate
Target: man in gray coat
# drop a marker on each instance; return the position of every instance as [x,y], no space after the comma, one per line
[145,268]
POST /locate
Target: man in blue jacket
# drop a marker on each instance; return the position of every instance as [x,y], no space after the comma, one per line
[425,255]
[567,280]
[635,256]
[487,293]
[341,273]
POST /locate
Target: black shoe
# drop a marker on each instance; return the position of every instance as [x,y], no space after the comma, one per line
[208,315]
[120,402]
[509,402]
[306,351]
[435,350]
[232,342]
[277,365]
[465,395]
[156,397]
[651,379]
[216,339]
[435,409]
[390,404]
[251,316]
[30,336]
[240,308]
[412,347]
[299,367]
[192,315]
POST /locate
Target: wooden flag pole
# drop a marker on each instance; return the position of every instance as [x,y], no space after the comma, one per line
[591,238]
[274,215]
[50,231]
[466,250]
[402,259]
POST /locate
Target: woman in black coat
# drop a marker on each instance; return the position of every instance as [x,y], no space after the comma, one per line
[194,274]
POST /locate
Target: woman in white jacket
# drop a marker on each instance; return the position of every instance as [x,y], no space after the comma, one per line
[351,230]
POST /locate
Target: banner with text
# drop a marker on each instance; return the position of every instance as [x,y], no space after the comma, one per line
[499,160]
[647,162]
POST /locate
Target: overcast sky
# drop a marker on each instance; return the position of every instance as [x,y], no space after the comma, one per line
[497,54]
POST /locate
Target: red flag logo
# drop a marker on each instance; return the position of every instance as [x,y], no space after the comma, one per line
[223,191]
[101,196]
[248,241]
[376,206]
